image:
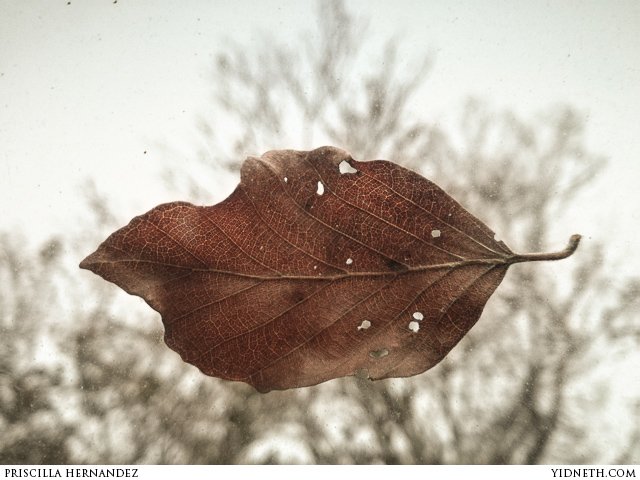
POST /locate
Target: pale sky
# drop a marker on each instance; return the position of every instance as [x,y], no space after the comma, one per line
[86,88]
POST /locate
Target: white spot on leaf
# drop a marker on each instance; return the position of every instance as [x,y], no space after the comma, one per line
[345,167]
[320,190]
[286,179]
[349,261]
[414,326]
[435,233]
[364,325]
[418,316]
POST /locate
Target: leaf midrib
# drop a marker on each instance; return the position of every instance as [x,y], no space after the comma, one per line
[506,261]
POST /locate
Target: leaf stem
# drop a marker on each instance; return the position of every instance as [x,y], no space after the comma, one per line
[571,247]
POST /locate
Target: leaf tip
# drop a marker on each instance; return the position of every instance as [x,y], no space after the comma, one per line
[84,264]
[88,262]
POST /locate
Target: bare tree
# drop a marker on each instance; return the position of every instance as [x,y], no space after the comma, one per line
[504,395]
[28,387]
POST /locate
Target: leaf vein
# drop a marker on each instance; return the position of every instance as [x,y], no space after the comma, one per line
[255,208]
[323,329]
[346,235]
[437,217]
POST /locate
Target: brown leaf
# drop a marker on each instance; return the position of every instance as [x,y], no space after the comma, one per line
[317,266]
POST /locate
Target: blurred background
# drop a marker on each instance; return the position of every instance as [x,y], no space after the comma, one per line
[525,112]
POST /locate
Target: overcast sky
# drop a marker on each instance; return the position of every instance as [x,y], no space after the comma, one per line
[87,87]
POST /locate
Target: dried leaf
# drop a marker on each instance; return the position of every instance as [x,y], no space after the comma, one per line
[317,266]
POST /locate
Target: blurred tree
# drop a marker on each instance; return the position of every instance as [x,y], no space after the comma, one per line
[27,384]
[505,394]
[521,387]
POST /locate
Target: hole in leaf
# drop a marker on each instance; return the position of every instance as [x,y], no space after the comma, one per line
[349,261]
[364,325]
[435,233]
[418,316]
[320,190]
[345,167]
[414,326]
[286,179]
[383,352]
